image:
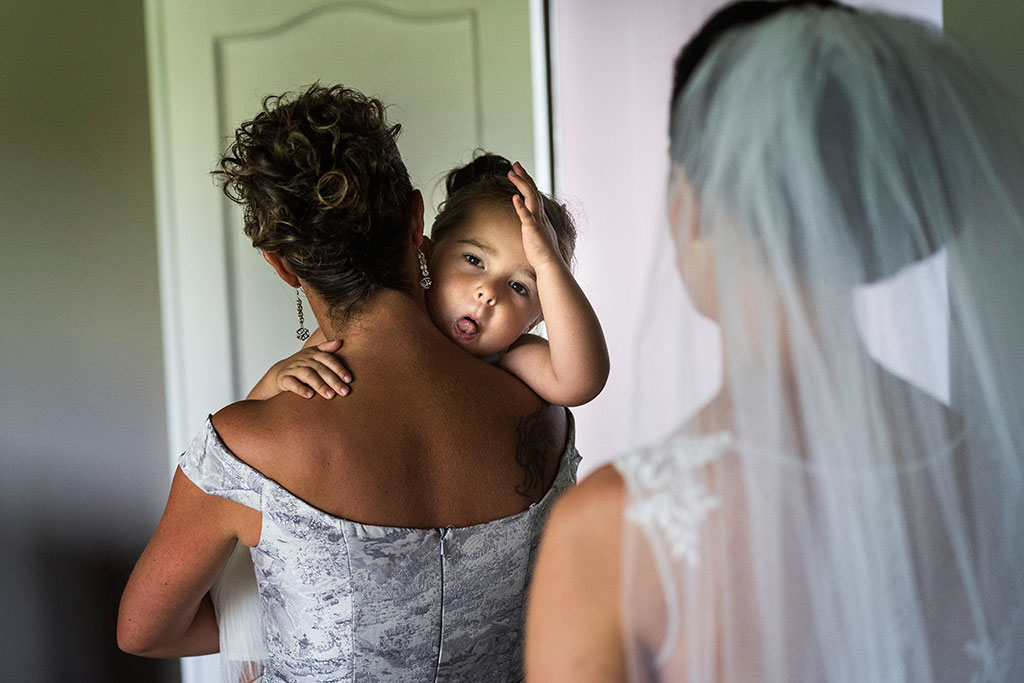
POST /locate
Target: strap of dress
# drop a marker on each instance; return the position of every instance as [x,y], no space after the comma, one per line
[667,496]
[216,470]
[668,501]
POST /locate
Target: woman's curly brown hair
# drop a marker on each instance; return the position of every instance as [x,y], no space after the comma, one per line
[484,181]
[323,185]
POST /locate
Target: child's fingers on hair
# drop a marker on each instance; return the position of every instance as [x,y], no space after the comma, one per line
[519,170]
[529,195]
[530,192]
[525,215]
[522,180]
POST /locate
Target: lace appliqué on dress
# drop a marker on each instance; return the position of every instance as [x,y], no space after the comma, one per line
[667,494]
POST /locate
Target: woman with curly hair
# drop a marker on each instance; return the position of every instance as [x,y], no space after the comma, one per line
[392,532]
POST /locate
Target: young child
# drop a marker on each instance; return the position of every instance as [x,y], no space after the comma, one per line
[499,264]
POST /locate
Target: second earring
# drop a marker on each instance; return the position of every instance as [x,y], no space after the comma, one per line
[302,334]
[425,281]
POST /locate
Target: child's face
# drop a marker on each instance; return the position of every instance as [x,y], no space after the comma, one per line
[484,294]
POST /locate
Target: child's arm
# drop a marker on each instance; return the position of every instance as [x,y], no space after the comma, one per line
[570,368]
[313,369]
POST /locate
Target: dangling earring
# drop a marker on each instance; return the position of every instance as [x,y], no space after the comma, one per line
[425,281]
[302,334]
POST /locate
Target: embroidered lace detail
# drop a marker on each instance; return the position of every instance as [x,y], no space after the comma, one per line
[668,496]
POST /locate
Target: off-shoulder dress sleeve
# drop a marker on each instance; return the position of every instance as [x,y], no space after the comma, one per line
[216,470]
[211,466]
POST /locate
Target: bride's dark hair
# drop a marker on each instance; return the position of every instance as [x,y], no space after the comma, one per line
[734,15]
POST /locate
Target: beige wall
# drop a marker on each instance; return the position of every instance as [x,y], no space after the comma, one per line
[83,449]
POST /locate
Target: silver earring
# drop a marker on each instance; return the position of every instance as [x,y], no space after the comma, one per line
[425,281]
[302,334]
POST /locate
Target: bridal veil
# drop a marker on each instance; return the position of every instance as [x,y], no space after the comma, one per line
[826,517]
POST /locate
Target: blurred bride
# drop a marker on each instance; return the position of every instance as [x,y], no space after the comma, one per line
[821,519]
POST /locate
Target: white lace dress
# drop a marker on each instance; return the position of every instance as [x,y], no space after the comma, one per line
[668,497]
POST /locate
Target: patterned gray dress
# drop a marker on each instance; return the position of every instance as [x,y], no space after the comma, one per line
[344,601]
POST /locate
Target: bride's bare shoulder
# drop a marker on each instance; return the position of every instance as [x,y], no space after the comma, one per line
[573,622]
[599,497]
[585,524]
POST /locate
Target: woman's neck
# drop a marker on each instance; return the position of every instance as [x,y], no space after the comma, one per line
[388,314]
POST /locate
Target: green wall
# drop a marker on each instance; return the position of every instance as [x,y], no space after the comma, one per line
[993,30]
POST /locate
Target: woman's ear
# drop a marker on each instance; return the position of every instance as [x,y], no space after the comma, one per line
[282,268]
[416,217]
[427,247]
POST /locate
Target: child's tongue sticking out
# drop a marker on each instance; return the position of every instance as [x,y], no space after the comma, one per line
[466,327]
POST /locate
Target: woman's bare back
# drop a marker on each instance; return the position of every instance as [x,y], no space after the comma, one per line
[429,437]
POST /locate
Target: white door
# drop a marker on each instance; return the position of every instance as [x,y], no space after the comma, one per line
[459,74]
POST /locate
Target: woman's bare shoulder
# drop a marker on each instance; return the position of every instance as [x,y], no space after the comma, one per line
[573,622]
[599,496]
[254,429]
[478,390]
[585,524]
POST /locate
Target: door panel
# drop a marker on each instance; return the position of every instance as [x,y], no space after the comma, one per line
[438,75]
[457,74]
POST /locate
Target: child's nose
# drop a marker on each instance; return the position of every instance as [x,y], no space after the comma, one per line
[485,292]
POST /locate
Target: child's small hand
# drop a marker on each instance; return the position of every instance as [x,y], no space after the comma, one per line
[313,369]
[539,239]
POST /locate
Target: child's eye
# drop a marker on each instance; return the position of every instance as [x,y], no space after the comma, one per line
[519,288]
[473,260]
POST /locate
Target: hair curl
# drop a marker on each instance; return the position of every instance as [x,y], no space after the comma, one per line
[484,182]
[323,185]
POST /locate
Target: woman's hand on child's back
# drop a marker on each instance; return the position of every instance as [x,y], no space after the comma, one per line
[539,240]
[313,370]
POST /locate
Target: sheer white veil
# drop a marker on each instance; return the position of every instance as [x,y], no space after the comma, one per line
[822,519]
[236,601]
